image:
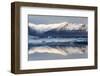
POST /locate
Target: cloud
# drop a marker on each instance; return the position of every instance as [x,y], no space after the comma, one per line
[57,26]
[58,50]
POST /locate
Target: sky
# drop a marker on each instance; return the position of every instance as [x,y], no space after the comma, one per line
[47,19]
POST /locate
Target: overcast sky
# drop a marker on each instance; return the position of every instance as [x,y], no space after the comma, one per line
[41,19]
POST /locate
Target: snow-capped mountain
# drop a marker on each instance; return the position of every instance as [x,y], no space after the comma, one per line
[57,26]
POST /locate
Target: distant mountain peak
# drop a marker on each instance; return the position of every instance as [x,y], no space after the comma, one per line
[57,27]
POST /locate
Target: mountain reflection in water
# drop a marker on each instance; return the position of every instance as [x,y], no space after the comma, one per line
[57,49]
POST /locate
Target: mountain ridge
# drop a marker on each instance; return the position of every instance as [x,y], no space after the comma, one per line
[41,28]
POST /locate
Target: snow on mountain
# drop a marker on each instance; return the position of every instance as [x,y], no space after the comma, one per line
[57,26]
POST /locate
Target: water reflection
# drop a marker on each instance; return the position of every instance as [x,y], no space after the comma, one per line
[57,52]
